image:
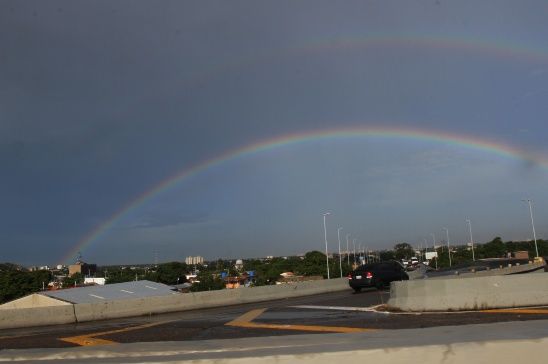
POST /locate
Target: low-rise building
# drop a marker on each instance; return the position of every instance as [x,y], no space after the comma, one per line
[95,281]
[87,270]
[240,281]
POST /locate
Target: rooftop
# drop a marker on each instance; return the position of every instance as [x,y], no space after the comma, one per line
[111,292]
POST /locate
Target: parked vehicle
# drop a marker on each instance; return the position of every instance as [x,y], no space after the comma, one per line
[377,275]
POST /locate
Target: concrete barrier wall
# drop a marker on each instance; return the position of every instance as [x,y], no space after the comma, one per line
[38,316]
[505,270]
[33,300]
[43,316]
[191,301]
[505,291]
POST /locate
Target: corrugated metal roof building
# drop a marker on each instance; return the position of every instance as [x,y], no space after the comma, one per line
[91,294]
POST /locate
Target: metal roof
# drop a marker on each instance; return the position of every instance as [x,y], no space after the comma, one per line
[111,292]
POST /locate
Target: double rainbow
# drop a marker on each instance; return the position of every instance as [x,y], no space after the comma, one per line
[492,48]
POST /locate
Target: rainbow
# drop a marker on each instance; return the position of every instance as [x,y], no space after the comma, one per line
[463,141]
[490,47]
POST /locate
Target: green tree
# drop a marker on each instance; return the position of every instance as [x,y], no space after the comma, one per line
[314,264]
[255,265]
[124,274]
[495,248]
[19,283]
[403,251]
[260,271]
[171,273]
[220,265]
[388,255]
[205,281]
[542,248]
[74,279]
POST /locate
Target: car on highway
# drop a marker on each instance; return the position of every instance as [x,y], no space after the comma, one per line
[377,275]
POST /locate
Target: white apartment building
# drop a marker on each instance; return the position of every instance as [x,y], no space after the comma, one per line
[194,260]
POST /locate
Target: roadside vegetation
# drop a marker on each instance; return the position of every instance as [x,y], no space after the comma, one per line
[16,281]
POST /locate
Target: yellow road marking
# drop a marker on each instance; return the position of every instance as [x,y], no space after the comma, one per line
[87,340]
[247,317]
[92,340]
[303,327]
[520,310]
[245,321]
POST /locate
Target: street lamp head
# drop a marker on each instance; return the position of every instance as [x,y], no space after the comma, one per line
[327,213]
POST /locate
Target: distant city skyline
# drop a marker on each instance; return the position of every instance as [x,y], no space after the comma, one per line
[440,244]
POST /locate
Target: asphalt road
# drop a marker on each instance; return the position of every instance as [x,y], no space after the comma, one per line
[341,312]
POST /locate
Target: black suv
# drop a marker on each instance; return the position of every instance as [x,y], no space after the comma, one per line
[377,275]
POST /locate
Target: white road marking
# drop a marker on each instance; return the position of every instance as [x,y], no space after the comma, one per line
[338,308]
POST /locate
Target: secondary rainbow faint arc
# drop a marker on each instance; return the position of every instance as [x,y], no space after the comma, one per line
[493,47]
[270,144]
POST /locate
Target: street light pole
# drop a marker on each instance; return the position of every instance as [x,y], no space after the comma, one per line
[354,241]
[340,257]
[325,234]
[448,247]
[471,240]
[532,223]
[435,251]
[347,251]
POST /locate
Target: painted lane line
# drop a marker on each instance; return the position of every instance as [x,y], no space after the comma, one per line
[87,340]
[519,310]
[91,339]
[303,327]
[245,321]
[376,309]
[247,317]
[363,309]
